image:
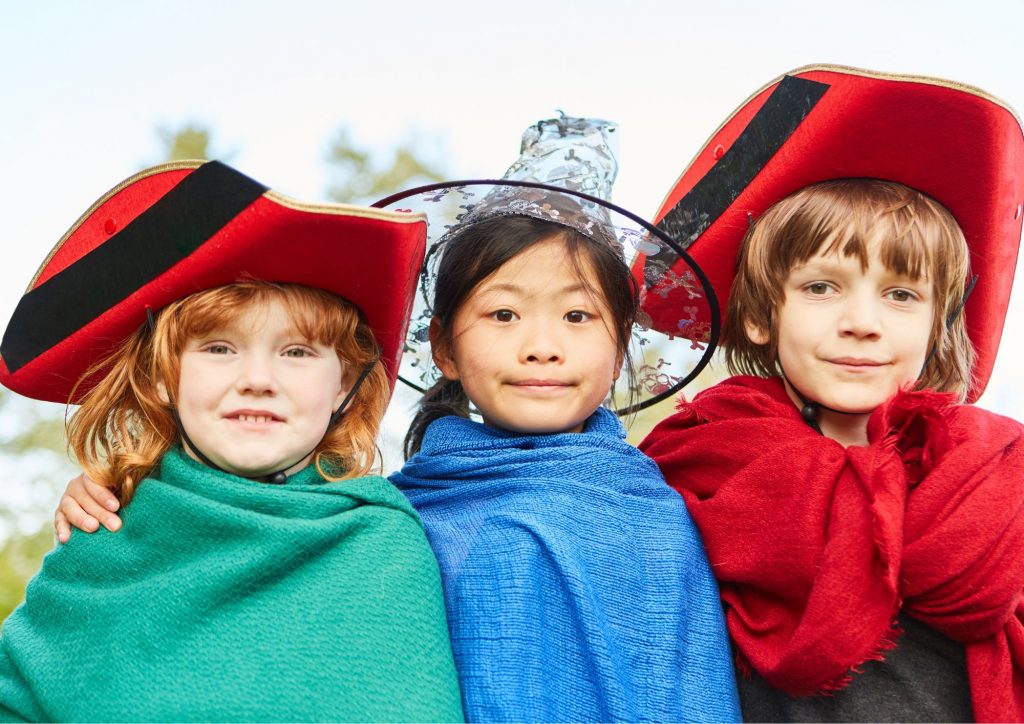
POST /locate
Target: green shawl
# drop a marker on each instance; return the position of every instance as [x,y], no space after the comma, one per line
[227,599]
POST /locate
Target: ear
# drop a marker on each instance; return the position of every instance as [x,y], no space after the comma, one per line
[440,350]
[346,387]
[618,366]
[755,333]
[161,393]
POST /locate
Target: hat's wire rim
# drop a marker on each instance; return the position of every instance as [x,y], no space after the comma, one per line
[711,297]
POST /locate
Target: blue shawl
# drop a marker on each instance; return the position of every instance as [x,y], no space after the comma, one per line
[576,584]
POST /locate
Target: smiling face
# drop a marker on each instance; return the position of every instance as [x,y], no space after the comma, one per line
[254,395]
[850,337]
[532,344]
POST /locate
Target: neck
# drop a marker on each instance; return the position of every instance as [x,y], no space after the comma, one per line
[846,428]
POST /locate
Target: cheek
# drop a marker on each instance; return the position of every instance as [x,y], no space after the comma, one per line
[474,353]
[917,347]
[319,391]
[195,384]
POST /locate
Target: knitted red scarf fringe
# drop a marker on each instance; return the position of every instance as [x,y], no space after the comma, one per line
[817,547]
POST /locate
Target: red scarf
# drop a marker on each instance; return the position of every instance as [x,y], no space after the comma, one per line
[817,547]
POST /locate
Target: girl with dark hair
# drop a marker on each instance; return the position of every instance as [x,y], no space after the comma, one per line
[576,586]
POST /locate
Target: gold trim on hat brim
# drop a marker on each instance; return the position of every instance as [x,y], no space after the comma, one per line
[848,70]
[278,198]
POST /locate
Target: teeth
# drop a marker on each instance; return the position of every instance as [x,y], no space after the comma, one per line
[255,418]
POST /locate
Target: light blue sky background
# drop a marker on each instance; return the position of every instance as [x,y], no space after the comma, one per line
[83,85]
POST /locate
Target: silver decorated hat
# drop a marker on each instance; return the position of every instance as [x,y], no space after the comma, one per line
[574,154]
[564,175]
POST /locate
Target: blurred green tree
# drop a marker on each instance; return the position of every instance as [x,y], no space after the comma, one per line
[192,140]
[32,436]
[363,176]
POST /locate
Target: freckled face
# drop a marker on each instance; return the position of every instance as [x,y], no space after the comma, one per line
[255,396]
[532,344]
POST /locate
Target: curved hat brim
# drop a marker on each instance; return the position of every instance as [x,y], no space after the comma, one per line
[956,143]
[180,228]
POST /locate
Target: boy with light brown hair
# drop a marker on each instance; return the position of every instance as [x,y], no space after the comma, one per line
[865,527]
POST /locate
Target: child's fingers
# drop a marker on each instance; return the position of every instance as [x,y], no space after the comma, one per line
[95,501]
[60,525]
[74,515]
[100,494]
[85,505]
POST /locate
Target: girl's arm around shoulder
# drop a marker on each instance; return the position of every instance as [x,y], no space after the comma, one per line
[85,505]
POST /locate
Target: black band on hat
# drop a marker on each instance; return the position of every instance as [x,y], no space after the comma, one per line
[782,113]
[203,203]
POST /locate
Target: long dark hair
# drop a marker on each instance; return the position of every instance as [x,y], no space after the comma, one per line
[481,249]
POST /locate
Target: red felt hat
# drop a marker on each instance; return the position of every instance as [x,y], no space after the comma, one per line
[954,142]
[180,228]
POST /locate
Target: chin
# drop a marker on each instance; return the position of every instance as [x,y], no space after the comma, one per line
[855,405]
[249,469]
[533,427]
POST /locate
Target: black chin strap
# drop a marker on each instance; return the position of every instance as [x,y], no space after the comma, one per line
[279,477]
[810,408]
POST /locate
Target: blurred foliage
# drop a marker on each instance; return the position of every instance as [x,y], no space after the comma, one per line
[33,435]
[20,557]
[44,431]
[190,141]
[361,177]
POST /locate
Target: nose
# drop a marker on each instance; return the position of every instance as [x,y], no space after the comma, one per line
[256,375]
[861,317]
[541,344]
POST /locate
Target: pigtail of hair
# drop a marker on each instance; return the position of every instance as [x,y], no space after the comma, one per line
[445,398]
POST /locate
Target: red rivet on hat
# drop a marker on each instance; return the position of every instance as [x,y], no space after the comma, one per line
[719,151]
[1017,213]
[110,226]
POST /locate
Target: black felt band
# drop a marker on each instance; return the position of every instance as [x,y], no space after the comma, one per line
[176,225]
[782,113]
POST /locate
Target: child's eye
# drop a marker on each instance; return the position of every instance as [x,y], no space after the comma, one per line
[901,295]
[577,316]
[504,315]
[217,349]
[297,352]
[819,289]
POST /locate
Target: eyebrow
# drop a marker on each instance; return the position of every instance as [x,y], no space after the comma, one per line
[516,289]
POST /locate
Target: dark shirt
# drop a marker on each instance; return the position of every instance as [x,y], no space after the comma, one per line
[923,679]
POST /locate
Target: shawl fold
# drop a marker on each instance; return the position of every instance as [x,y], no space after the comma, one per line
[225,599]
[816,547]
[576,584]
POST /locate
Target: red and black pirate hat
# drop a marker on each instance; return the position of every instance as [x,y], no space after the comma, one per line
[954,142]
[179,228]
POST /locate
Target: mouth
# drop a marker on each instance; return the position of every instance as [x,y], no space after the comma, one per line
[254,417]
[541,385]
[856,363]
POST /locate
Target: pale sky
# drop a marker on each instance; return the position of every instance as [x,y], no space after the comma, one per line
[84,85]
